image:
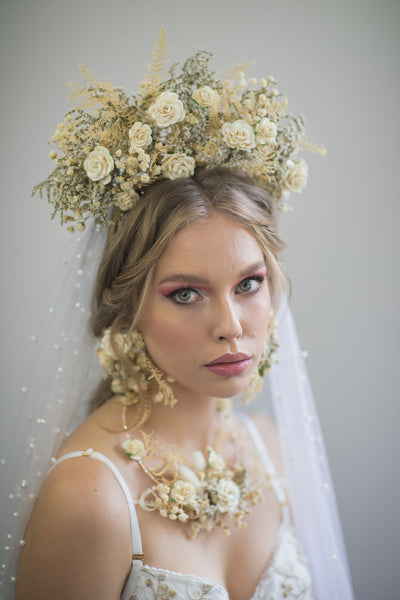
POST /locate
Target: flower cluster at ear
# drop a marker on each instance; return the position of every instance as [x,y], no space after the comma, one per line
[113,145]
[136,373]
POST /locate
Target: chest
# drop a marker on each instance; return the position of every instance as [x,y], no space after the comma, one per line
[215,556]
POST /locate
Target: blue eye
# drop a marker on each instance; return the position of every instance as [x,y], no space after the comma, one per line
[251,284]
[184,296]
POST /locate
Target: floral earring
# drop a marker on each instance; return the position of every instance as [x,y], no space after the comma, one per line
[265,363]
[139,375]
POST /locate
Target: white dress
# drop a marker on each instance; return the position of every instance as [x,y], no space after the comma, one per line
[286,576]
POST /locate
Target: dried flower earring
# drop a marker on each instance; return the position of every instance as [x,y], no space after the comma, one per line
[125,359]
[265,363]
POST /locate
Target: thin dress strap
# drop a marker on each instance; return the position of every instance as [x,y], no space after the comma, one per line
[137,549]
[266,460]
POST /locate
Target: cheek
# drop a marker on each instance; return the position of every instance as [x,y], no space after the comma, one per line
[166,337]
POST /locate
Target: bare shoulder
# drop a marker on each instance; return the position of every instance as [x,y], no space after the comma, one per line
[269,432]
[78,537]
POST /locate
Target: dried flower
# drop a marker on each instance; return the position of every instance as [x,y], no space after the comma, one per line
[238,134]
[99,164]
[167,110]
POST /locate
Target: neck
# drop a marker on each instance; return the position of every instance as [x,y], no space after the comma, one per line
[191,423]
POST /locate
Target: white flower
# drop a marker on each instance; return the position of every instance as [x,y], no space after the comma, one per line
[140,135]
[125,200]
[134,448]
[296,177]
[266,132]
[105,344]
[239,134]
[215,461]
[167,110]
[178,165]
[183,492]
[228,496]
[204,95]
[188,475]
[199,462]
[123,342]
[99,164]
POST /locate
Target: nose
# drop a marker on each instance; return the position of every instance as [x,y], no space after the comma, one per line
[226,324]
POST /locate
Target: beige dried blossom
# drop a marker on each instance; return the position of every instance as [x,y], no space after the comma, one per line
[167,110]
[183,492]
[266,131]
[134,448]
[239,134]
[139,135]
[99,164]
[296,176]
[178,165]
[204,96]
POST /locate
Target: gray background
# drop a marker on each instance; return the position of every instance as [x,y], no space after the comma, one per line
[338,63]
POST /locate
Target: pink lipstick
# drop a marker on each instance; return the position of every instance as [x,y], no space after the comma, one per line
[229,364]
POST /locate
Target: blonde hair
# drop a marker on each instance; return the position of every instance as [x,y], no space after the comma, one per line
[129,260]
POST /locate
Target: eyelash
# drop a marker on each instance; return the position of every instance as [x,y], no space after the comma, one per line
[173,295]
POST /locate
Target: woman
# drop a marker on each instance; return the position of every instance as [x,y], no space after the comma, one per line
[144,493]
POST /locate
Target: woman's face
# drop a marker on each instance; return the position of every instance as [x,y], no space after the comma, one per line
[206,315]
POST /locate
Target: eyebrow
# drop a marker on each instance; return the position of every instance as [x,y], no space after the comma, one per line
[187,278]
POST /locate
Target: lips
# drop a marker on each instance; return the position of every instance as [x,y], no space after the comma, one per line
[229,364]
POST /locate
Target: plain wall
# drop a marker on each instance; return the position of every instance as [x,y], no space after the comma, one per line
[338,62]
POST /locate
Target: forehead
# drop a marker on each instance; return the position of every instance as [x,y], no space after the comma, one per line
[213,245]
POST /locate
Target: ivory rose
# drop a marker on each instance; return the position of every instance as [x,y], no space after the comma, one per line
[134,448]
[228,496]
[296,177]
[99,164]
[204,95]
[178,165]
[167,110]
[239,134]
[183,492]
[266,132]
[140,135]
[125,200]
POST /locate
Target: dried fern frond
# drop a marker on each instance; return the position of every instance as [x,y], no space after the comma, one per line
[234,69]
[312,146]
[157,64]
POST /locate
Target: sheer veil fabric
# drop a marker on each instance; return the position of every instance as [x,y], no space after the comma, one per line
[55,399]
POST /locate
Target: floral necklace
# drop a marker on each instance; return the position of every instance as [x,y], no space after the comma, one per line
[205,493]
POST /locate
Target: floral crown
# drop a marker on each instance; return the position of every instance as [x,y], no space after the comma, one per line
[112,145]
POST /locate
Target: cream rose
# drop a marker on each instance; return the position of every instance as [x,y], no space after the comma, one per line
[183,492]
[167,110]
[296,176]
[134,448]
[215,461]
[176,166]
[228,495]
[266,132]
[140,135]
[204,96]
[239,134]
[99,164]
[125,200]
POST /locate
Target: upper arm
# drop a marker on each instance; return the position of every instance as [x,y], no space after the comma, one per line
[78,537]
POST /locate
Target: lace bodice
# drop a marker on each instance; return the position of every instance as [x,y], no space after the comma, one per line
[286,577]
